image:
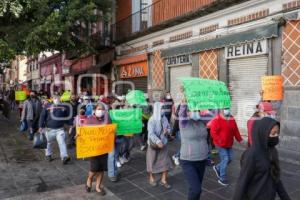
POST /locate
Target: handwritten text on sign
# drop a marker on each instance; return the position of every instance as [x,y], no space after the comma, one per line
[203,94]
[272,88]
[95,140]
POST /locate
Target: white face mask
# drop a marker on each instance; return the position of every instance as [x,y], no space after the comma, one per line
[227,112]
[99,113]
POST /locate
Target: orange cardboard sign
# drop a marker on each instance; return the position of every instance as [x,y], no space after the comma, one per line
[272,88]
[95,140]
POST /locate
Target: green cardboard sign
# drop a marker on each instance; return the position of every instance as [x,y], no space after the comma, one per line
[129,121]
[136,97]
[203,94]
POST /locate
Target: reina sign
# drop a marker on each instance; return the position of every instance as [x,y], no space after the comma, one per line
[134,70]
[247,49]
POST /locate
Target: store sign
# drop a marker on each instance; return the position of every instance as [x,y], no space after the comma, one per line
[179,60]
[247,49]
[134,70]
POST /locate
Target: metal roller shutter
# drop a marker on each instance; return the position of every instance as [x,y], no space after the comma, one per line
[139,84]
[245,79]
[176,72]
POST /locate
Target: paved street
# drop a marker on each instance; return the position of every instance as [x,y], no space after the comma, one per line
[24,174]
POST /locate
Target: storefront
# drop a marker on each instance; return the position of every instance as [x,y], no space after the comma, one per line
[177,66]
[239,59]
[247,63]
[132,74]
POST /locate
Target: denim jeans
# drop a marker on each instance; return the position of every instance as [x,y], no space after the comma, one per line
[226,155]
[32,126]
[112,170]
[194,173]
[59,135]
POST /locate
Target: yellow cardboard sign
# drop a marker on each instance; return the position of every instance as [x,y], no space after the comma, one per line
[95,140]
[20,95]
[66,96]
[272,88]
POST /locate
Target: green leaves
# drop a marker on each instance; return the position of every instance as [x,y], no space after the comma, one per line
[33,26]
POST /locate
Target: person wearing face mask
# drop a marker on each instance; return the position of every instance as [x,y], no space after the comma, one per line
[98,164]
[32,108]
[53,118]
[194,149]
[157,156]
[264,109]
[260,170]
[224,130]
[167,106]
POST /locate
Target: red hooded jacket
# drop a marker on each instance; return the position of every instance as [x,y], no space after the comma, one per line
[224,131]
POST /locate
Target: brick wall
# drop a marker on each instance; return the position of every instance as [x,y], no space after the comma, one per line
[167,9]
[291,5]
[249,17]
[291,53]
[158,71]
[208,64]
[123,9]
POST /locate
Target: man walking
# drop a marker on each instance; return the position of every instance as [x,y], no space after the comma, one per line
[53,118]
[32,108]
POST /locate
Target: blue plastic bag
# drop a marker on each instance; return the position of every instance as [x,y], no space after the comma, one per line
[23,126]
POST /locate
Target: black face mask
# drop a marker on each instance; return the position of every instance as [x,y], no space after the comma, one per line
[32,96]
[273,141]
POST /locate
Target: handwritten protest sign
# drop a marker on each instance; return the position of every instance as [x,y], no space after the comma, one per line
[129,121]
[203,94]
[95,140]
[136,97]
[272,88]
[20,95]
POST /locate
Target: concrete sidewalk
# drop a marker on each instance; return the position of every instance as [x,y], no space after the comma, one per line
[24,174]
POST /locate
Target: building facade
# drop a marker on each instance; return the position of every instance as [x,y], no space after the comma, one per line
[237,43]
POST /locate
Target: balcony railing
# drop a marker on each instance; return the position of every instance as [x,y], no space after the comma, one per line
[155,14]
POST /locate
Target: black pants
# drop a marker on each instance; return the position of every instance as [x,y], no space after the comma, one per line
[194,172]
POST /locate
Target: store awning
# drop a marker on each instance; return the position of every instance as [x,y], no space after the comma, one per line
[258,33]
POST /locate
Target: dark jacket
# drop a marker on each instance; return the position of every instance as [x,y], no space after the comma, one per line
[54,116]
[255,181]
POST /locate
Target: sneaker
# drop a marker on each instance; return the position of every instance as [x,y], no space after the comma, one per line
[66,160]
[224,183]
[176,160]
[119,164]
[143,147]
[121,160]
[216,171]
[49,158]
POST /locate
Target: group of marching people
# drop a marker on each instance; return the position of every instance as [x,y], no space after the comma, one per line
[198,132]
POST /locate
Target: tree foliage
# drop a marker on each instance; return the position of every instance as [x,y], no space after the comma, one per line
[33,26]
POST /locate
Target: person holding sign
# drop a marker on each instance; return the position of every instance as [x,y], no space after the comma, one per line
[224,129]
[157,157]
[98,164]
[194,149]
